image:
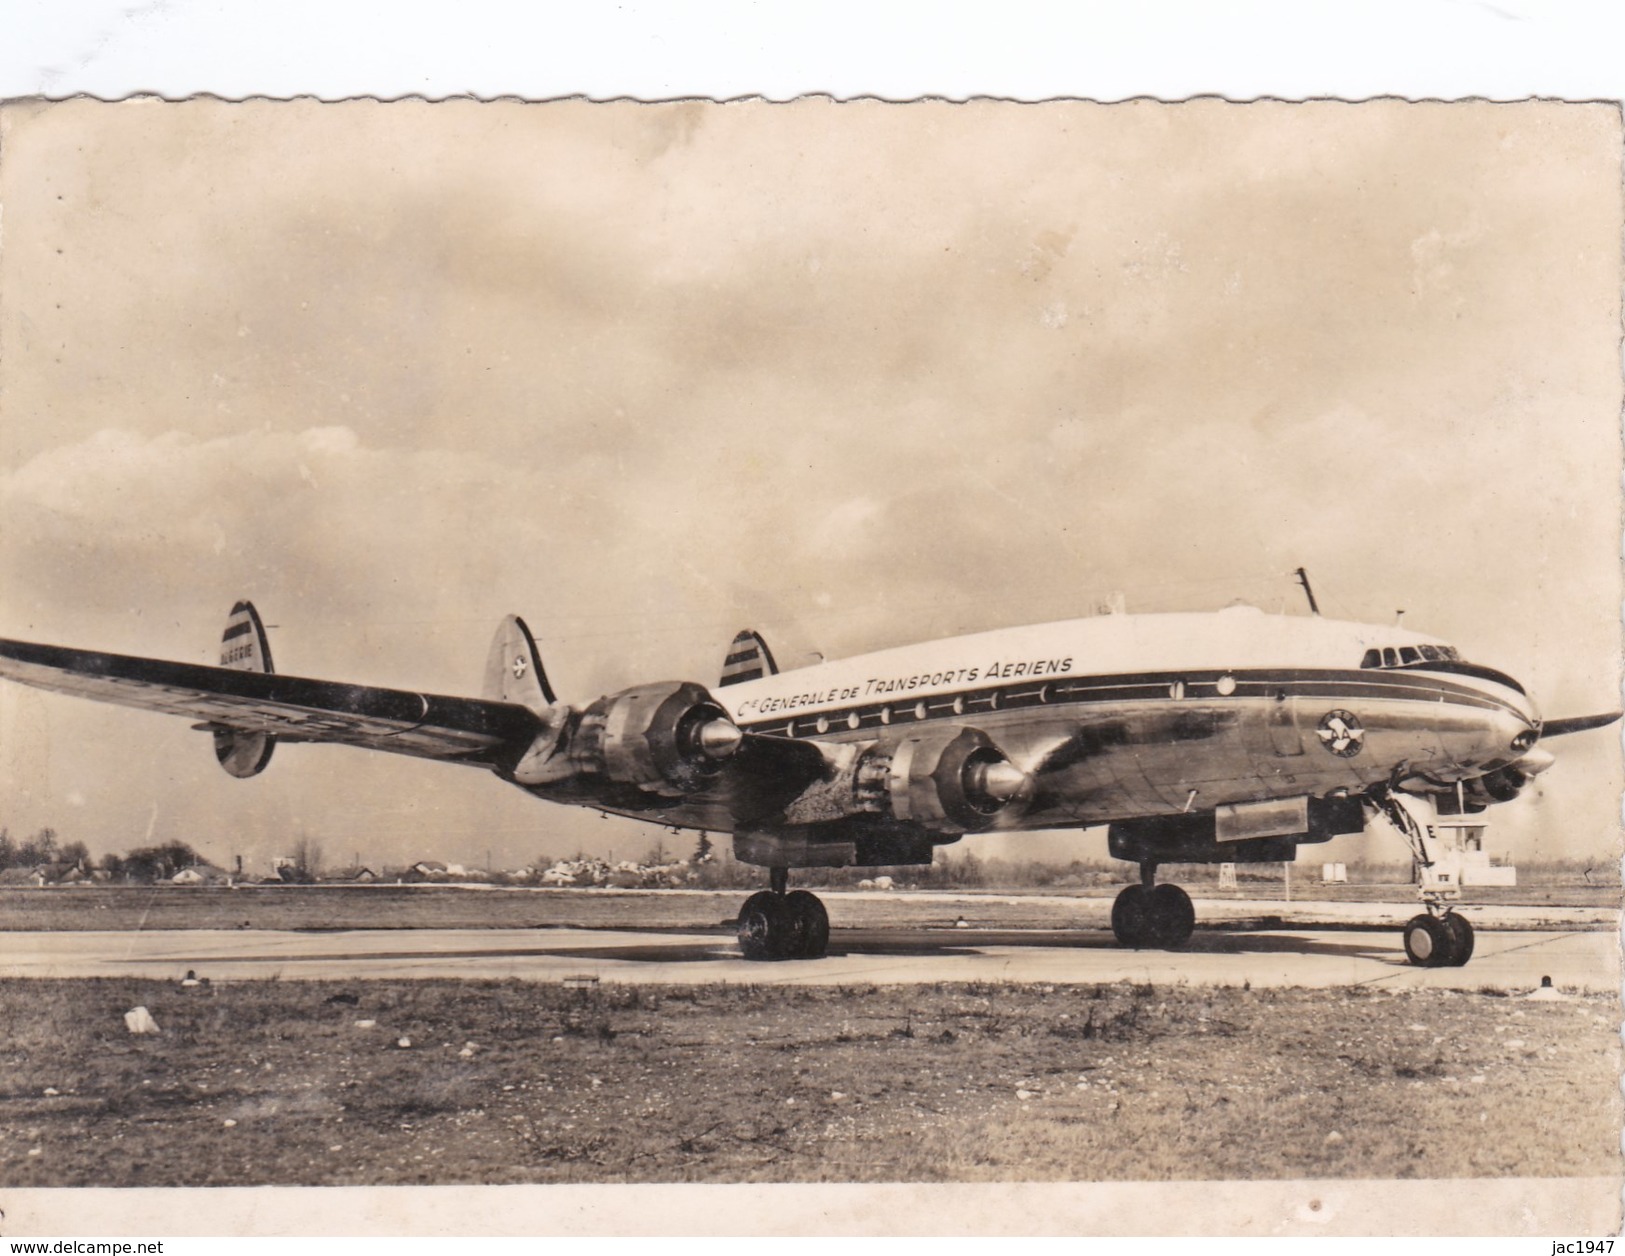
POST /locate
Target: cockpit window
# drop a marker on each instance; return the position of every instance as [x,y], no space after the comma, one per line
[1409,654]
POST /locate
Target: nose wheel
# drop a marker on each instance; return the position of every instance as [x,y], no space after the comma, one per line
[1443,941]
[776,924]
[1153,917]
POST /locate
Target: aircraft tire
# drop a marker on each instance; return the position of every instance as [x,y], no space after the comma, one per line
[1429,942]
[765,927]
[1173,916]
[1461,936]
[1133,917]
[810,925]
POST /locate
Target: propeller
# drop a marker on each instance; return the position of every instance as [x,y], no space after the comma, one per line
[1577,724]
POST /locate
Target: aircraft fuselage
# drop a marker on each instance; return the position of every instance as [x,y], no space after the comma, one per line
[1141,715]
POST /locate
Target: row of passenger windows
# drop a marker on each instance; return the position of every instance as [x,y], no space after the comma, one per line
[1388,656]
[974,703]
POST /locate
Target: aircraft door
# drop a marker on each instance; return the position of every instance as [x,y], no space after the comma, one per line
[1286,736]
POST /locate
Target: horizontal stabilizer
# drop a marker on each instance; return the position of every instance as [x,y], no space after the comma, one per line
[293,708]
[1577,724]
[748,658]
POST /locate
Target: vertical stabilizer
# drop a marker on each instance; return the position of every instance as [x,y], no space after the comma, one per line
[243,645]
[513,669]
[244,648]
[748,658]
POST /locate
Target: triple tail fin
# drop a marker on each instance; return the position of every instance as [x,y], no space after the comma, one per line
[513,668]
[244,648]
[748,658]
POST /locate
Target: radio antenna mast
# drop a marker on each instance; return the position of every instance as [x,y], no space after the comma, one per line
[1303,579]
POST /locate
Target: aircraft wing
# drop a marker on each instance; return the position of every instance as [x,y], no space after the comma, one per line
[428,726]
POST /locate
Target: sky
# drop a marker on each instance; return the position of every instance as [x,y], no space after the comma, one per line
[852,375]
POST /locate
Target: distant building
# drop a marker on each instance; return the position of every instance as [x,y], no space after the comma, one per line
[357,875]
[201,874]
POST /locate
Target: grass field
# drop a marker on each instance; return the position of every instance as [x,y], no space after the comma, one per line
[452,907]
[276,1083]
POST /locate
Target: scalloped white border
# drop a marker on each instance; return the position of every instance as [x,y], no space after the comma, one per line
[1022,49]
[1018,49]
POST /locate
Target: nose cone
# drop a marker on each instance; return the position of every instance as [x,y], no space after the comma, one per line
[719,738]
[1534,762]
[1003,780]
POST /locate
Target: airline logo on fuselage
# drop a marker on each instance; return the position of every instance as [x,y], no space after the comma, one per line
[1342,733]
[881,686]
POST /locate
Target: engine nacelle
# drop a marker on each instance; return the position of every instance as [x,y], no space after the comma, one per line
[954,782]
[1502,785]
[668,738]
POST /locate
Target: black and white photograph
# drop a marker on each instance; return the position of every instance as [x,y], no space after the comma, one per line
[1005,661]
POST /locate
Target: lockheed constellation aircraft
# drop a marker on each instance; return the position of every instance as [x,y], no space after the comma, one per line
[1232,736]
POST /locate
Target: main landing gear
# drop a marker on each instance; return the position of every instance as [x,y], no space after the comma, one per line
[1151,916]
[776,924]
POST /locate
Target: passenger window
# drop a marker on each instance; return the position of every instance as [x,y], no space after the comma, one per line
[1373,658]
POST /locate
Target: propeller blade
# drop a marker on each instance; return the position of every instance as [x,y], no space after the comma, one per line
[1576,724]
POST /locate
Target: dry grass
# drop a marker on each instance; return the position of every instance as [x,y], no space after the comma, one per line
[266,1082]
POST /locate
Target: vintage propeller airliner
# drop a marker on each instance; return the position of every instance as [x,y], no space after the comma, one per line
[1231,736]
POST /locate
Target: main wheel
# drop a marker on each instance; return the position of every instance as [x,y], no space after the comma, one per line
[809,925]
[1461,938]
[1172,916]
[1132,917]
[1429,942]
[764,926]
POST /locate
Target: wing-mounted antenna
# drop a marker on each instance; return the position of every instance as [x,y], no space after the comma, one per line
[513,669]
[748,658]
[244,648]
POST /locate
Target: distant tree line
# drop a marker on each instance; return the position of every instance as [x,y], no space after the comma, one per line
[145,863]
[42,848]
[150,863]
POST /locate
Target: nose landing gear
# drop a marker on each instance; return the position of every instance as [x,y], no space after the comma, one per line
[1440,937]
[779,923]
[1150,916]
[1439,941]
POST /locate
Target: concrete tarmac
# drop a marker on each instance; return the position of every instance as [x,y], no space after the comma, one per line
[1513,961]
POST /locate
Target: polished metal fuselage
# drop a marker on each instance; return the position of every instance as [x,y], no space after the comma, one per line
[1130,716]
